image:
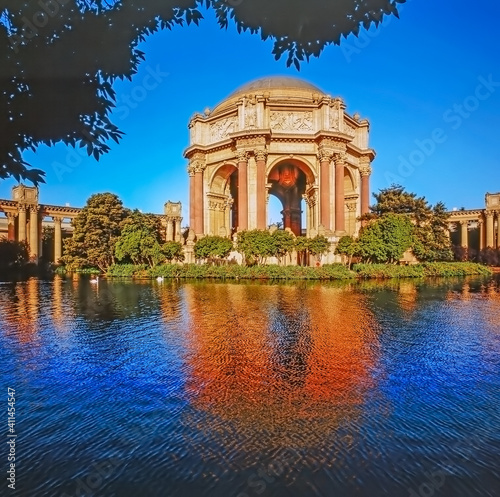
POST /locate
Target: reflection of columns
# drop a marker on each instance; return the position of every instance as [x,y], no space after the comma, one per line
[365,170]
[261,158]
[325,157]
[464,234]
[22,223]
[242,190]
[192,199]
[339,192]
[57,238]
[170,230]
[11,226]
[489,229]
[34,232]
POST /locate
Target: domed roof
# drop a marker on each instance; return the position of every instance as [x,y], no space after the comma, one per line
[275,82]
[280,88]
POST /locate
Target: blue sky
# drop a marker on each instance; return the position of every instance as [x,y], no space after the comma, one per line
[429,83]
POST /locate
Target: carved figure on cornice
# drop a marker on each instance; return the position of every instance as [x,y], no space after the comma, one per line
[221,129]
[250,113]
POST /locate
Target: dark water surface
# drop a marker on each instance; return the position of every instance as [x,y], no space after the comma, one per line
[211,389]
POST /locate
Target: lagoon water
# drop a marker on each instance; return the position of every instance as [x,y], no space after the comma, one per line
[253,389]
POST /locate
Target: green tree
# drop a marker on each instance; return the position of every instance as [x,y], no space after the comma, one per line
[318,246]
[140,239]
[96,230]
[431,241]
[347,246]
[301,246]
[255,245]
[173,251]
[213,247]
[44,99]
[283,242]
[386,239]
[13,255]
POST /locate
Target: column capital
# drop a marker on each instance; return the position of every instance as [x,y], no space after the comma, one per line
[197,163]
[11,216]
[242,155]
[464,221]
[34,209]
[260,154]
[340,158]
[365,169]
[489,213]
[57,219]
[191,170]
[325,154]
[22,208]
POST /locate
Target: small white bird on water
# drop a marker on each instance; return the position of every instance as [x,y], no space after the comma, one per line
[95,280]
[159,279]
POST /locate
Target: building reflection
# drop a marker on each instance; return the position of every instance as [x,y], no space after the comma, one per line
[20,310]
[277,356]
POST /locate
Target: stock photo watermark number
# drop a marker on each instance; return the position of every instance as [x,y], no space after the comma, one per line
[11,438]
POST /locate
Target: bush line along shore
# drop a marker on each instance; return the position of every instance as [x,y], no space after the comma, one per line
[325,272]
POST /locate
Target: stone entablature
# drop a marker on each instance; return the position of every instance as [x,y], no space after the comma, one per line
[486,220]
[279,136]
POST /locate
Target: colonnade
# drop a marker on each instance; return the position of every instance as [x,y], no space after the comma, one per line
[488,223]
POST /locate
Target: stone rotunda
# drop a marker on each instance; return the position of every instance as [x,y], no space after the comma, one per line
[278,136]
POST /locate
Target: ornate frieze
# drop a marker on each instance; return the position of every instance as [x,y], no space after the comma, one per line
[296,121]
[349,129]
[221,129]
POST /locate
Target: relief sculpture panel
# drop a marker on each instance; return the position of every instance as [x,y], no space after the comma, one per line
[298,122]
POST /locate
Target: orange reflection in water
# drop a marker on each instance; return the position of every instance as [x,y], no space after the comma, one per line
[21,310]
[277,355]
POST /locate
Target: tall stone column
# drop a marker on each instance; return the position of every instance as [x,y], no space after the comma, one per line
[464,234]
[325,158]
[200,201]
[481,234]
[339,193]
[498,230]
[57,238]
[489,229]
[22,223]
[170,230]
[192,200]
[34,232]
[242,190]
[365,171]
[261,159]
[11,226]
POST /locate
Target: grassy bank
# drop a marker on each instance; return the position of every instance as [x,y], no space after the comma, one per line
[326,272]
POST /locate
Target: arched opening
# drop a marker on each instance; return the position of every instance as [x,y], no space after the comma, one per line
[288,184]
[223,201]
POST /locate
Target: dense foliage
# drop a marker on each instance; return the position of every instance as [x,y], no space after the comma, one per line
[430,238]
[214,248]
[97,229]
[13,255]
[59,58]
[325,272]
